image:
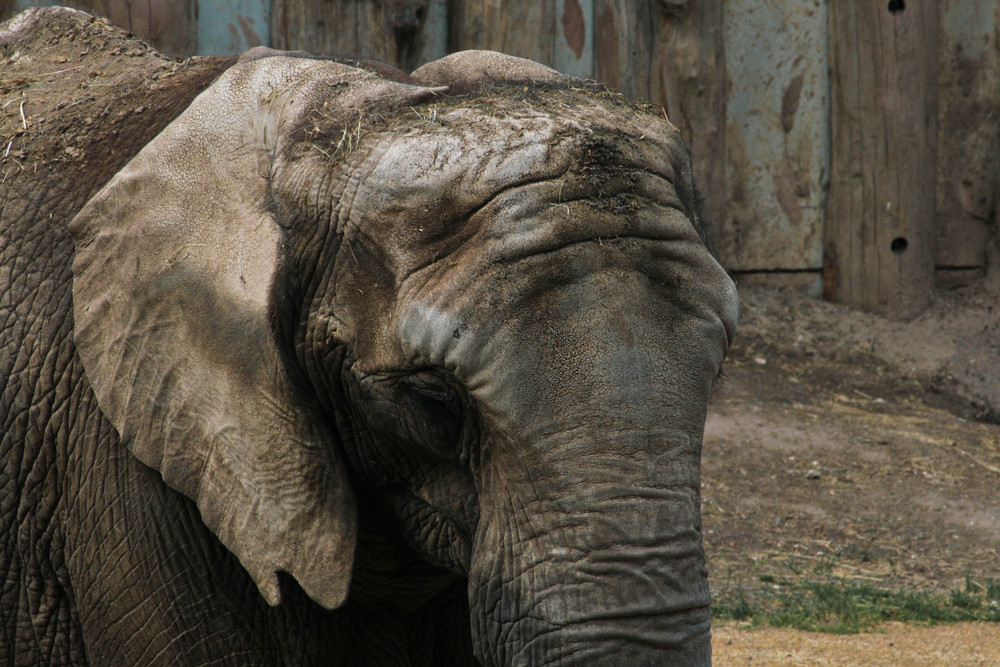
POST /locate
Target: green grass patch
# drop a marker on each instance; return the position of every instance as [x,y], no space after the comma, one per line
[842,607]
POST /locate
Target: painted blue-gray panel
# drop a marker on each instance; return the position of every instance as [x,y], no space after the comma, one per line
[20,5]
[435,32]
[970,22]
[232,26]
[573,50]
[777,135]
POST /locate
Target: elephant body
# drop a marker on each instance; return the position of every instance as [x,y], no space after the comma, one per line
[316,363]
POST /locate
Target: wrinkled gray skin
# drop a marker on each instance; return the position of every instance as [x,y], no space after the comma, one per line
[442,356]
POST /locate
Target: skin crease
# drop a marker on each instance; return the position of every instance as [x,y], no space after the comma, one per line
[364,370]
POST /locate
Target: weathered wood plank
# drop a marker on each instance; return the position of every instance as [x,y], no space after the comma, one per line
[435,33]
[10,7]
[167,25]
[879,233]
[689,70]
[768,199]
[387,30]
[968,133]
[523,28]
[672,54]
[573,45]
[558,33]
[623,45]
[777,135]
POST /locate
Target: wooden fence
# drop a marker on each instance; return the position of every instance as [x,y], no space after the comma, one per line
[847,147]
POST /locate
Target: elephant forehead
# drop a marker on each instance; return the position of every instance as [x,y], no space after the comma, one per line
[424,185]
[461,159]
[449,161]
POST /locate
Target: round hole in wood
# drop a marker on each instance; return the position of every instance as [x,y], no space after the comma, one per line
[897,6]
[898,245]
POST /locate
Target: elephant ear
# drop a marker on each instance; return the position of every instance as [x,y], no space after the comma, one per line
[173,276]
[469,69]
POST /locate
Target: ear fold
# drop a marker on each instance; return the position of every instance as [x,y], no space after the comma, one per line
[173,279]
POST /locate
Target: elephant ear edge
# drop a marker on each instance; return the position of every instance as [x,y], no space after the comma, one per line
[467,70]
[172,287]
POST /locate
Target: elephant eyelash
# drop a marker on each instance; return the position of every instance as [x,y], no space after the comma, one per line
[431,391]
[429,388]
[439,399]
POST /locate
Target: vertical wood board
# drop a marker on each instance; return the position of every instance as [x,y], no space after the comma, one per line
[758,68]
[573,46]
[525,29]
[777,163]
[21,5]
[968,131]
[878,254]
[435,42]
[623,45]
[689,81]
[182,27]
[672,54]
[558,33]
[391,31]
[168,25]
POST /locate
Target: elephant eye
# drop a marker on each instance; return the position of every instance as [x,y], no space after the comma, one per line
[418,409]
[432,390]
[435,406]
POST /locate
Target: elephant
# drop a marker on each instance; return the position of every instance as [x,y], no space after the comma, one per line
[343,365]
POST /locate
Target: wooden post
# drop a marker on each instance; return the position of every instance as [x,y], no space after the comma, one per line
[690,82]
[878,250]
[520,28]
[623,45]
[670,52]
[435,32]
[8,8]
[573,47]
[387,30]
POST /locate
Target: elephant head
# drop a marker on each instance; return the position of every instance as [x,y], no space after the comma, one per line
[479,295]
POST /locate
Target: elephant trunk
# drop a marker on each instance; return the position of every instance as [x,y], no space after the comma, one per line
[590,398]
[593,557]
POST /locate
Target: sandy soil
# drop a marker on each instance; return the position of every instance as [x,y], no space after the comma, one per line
[896,645]
[845,444]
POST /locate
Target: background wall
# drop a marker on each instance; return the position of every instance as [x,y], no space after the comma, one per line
[850,149]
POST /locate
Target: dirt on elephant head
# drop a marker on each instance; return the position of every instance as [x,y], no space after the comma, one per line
[78,98]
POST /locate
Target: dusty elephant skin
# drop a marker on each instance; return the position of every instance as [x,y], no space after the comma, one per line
[347,366]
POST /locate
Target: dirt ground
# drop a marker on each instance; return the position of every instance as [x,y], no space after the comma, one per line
[843,444]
